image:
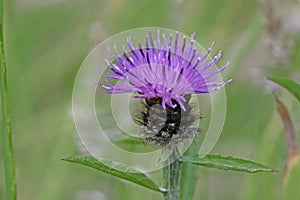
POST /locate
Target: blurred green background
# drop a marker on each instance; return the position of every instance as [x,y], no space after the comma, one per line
[46,41]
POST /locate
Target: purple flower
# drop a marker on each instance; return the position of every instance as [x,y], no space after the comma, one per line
[168,70]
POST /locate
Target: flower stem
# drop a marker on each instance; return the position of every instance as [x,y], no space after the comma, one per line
[171,176]
[6,131]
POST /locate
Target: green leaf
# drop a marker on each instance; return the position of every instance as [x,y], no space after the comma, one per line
[291,85]
[228,163]
[116,169]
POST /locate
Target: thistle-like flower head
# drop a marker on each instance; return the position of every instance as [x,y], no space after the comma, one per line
[168,70]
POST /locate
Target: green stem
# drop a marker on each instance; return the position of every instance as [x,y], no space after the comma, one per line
[6,131]
[171,175]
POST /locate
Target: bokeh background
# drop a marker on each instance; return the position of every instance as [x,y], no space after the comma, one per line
[46,41]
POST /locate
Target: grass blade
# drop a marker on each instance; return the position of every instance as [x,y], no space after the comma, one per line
[292,156]
[291,85]
[6,130]
[189,174]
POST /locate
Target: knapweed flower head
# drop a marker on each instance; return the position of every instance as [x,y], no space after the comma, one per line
[165,72]
[168,70]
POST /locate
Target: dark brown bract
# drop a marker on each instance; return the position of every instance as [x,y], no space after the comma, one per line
[167,126]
